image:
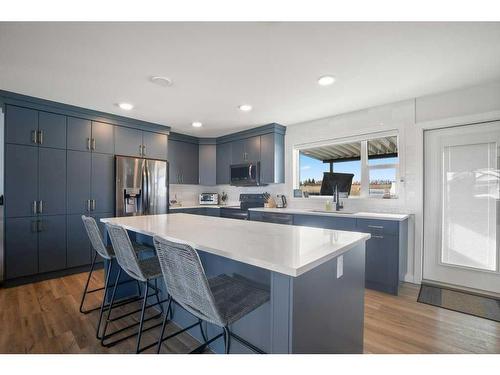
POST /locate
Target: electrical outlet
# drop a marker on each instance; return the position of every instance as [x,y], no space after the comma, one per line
[340,266]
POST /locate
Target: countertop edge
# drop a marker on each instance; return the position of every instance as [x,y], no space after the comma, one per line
[361,215]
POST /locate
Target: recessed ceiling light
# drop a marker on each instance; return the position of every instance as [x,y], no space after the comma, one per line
[125,106]
[326,80]
[162,81]
[197,124]
[245,107]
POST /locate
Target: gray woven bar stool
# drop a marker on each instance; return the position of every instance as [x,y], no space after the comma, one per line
[221,300]
[106,252]
[142,270]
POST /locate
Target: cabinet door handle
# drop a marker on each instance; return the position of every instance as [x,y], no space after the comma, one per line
[88,143]
[88,205]
[93,204]
[140,150]
[34,137]
[40,136]
[40,207]
[39,225]
[34,208]
[143,150]
[93,144]
[34,226]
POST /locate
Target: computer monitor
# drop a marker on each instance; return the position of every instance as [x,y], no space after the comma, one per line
[343,181]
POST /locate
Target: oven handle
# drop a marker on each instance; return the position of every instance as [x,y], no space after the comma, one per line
[250,171]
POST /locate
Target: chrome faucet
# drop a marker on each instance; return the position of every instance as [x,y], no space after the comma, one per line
[336,199]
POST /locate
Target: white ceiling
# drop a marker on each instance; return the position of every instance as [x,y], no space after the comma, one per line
[217,66]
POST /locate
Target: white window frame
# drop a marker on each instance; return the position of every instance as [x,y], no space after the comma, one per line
[365,168]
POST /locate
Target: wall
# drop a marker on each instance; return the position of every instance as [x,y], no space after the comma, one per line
[410,117]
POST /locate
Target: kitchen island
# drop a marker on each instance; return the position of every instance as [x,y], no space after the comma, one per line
[315,278]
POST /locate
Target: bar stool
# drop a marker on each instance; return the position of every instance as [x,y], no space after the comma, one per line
[221,300]
[106,252]
[142,270]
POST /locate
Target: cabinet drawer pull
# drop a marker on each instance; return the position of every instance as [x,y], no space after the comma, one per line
[376,236]
[93,143]
[40,136]
[376,226]
[34,138]
[88,143]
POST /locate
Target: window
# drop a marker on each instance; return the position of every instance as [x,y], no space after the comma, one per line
[373,163]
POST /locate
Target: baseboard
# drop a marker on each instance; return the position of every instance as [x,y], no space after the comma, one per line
[48,275]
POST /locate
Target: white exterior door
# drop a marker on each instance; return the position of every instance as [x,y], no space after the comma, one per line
[461,206]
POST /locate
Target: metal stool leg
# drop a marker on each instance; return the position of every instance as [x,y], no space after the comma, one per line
[110,306]
[227,340]
[162,332]
[139,334]
[101,312]
[87,285]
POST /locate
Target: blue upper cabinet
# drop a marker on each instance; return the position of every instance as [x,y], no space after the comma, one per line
[272,158]
[128,141]
[154,145]
[21,180]
[21,125]
[223,162]
[51,130]
[52,181]
[245,150]
[86,135]
[102,138]
[79,134]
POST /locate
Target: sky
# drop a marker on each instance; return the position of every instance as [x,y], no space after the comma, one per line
[313,168]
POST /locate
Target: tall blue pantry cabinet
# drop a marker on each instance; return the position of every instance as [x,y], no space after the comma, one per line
[59,165]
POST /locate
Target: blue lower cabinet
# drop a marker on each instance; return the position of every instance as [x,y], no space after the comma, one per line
[52,243]
[21,247]
[271,217]
[385,262]
[327,222]
[384,252]
[78,246]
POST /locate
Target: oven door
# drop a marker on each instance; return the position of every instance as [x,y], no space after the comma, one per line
[245,174]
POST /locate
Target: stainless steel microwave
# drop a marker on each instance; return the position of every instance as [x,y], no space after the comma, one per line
[247,174]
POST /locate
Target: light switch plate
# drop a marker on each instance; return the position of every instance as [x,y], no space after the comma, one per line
[340,266]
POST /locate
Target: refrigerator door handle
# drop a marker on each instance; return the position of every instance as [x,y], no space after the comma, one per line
[144,186]
[148,177]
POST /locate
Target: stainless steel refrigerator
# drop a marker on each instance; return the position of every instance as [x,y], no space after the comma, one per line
[141,186]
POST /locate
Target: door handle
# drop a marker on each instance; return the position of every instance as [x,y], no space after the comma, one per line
[34,208]
[34,226]
[34,137]
[88,205]
[93,144]
[40,136]
[40,207]
[88,143]
[39,226]
[93,204]
[143,150]
[140,150]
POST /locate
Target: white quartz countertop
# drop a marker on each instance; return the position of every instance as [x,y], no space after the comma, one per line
[358,215]
[287,249]
[196,206]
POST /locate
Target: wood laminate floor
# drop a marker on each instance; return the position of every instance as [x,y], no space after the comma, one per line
[43,317]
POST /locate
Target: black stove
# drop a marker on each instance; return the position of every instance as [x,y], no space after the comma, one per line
[246,201]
